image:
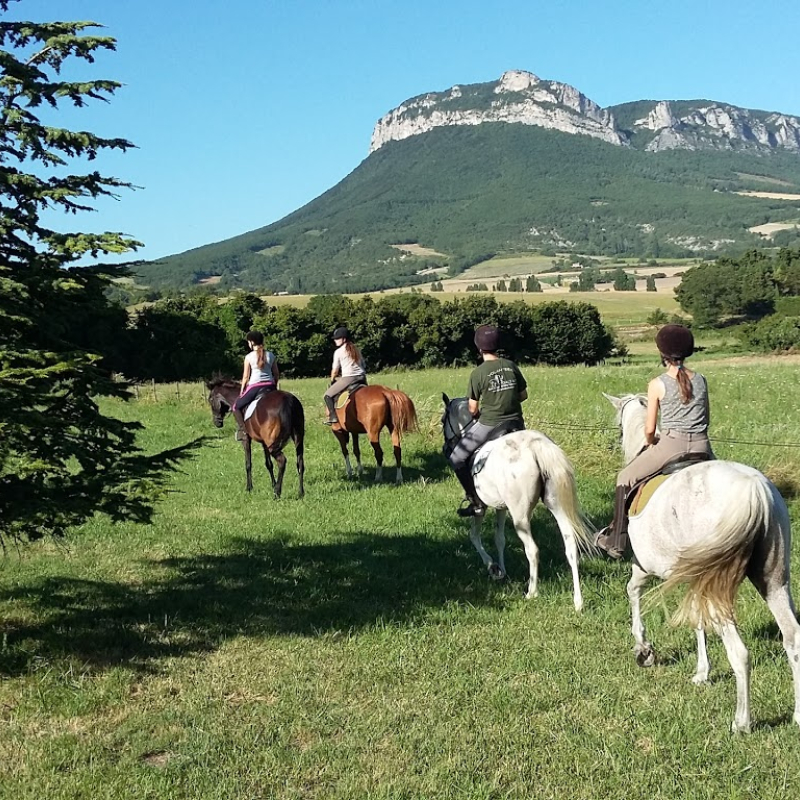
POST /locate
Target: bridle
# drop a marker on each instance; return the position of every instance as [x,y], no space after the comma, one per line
[453,433]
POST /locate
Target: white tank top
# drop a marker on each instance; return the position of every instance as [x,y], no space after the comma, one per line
[260,374]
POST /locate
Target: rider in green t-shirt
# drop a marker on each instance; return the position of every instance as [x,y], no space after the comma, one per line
[496,391]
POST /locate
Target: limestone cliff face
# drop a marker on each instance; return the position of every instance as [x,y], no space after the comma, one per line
[523,98]
[517,97]
[718,126]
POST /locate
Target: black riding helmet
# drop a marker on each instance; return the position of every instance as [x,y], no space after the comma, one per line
[487,338]
[341,333]
[675,342]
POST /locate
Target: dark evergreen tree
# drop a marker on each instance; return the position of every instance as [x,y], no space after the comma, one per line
[61,460]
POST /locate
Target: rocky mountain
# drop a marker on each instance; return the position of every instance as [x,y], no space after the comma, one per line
[522,165]
[522,97]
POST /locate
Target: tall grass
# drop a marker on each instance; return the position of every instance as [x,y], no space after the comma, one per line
[350,644]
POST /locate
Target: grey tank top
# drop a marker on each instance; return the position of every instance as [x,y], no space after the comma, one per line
[691,417]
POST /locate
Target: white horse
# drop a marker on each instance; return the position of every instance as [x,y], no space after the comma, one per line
[515,472]
[708,526]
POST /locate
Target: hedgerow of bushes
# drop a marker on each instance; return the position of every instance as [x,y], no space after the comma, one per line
[192,337]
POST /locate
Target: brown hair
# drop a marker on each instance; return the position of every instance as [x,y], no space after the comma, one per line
[353,351]
[257,338]
[684,382]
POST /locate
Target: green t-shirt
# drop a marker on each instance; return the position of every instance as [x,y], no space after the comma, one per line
[497,385]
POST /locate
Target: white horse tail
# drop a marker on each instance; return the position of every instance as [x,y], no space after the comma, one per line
[715,568]
[558,475]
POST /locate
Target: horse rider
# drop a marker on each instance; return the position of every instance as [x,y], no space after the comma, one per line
[348,369]
[496,391]
[259,374]
[681,395]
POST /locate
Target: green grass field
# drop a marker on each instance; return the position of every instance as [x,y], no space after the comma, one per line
[350,645]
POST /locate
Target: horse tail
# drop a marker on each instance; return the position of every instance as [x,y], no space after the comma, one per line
[715,567]
[558,475]
[298,420]
[403,413]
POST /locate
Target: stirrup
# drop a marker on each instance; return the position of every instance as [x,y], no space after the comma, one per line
[601,542]
[240,435]
[471,510]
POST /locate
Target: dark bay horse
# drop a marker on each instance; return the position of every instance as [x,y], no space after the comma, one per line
[278,417]
[369,410]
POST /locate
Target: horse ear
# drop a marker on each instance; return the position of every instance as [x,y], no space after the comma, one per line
[615,401]
[445,399]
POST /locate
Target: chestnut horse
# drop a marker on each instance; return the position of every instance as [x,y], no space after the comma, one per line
[277,418]
[369,410]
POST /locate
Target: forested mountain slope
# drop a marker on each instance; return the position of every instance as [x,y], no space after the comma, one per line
[467,191]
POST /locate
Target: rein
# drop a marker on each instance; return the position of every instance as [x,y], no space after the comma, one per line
[456,432]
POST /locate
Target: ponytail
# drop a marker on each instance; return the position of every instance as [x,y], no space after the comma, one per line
[261,356]
[684,384]
[353,352]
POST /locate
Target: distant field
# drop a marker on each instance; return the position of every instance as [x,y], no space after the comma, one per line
[768,228]
[513,266]
[771,195]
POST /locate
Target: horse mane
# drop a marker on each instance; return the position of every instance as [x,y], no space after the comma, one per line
[218,380]
[633,436]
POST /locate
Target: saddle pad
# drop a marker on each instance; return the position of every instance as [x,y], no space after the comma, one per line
[251,407]
[482,453]
[341,400]
[644,492]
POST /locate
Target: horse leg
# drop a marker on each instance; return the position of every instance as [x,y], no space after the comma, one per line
[522,525]
[398,456]
[703,665]
[301,463]
[475,537]
[248,461]
[500,540]
[281,459]
[268,462]
[739,660]
[357,454]
[342,436]
[378,450]
[570,547]
[645,655]
[779,600]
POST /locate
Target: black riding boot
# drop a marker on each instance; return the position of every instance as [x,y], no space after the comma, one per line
[476,506]
[613,539]
[330,404]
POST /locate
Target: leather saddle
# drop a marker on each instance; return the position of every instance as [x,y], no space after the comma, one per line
[344,397]
[498,432]
[640,494]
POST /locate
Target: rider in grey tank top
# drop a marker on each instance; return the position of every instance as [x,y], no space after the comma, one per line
[691,417]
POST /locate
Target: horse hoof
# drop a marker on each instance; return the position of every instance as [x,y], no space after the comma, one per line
[645,656]
[495,572]
[740,727]
[701,680]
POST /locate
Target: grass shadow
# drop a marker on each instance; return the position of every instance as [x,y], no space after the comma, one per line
[254,588]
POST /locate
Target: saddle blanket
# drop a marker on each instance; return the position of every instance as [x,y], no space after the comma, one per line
[341,400]
[644,492]
[251,407]
[482,453]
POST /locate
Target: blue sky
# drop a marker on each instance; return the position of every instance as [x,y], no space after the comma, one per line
[243,111]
